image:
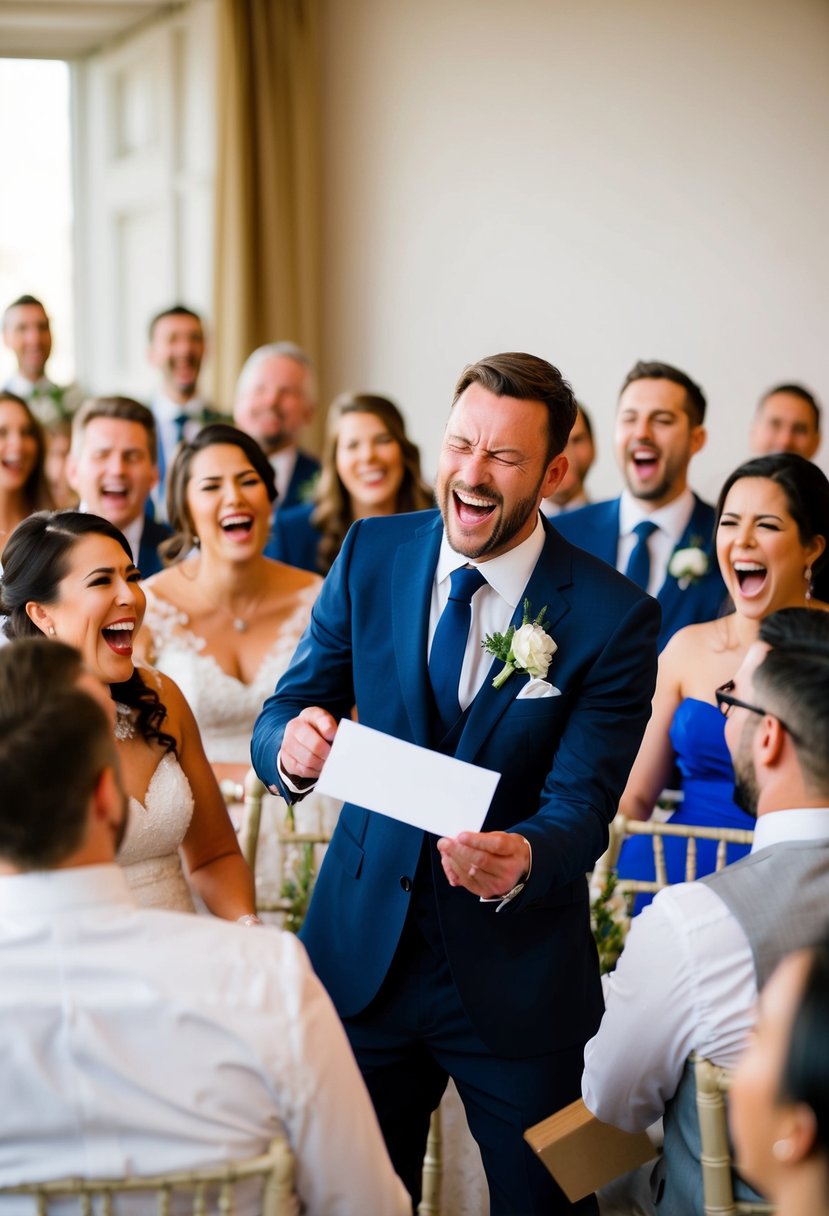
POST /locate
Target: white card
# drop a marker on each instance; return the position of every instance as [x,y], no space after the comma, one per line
[411,784]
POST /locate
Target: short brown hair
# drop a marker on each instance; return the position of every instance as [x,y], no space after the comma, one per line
[123,409]
[55,742]
[529,379]
[653,370]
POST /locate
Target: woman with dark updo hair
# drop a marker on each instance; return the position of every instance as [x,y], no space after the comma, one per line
[71,576]
[772,526]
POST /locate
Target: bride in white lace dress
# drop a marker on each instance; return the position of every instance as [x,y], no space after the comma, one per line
[223,620]
[71,576]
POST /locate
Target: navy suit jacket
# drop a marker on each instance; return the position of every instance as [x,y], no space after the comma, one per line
[293,538]
[596,529]
[527,975]
[154,533]
[305,469]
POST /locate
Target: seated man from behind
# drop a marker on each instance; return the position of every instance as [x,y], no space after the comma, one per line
[142,1041]
[113,467]
[689,974]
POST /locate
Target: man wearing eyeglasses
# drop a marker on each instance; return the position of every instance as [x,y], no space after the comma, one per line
[695,959]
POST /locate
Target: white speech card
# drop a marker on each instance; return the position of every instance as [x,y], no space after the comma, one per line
[412,784]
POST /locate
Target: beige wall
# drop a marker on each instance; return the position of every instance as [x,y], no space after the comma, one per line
[589,180]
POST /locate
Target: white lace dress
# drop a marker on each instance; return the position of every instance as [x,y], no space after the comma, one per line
[226,708]
[155,829]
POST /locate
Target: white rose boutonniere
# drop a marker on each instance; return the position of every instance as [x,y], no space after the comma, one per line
[528,648]
[688,565]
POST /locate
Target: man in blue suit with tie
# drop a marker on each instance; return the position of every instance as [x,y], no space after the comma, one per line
[472,956]
[658,532]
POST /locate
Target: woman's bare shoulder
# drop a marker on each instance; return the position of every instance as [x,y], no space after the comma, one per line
[283,578]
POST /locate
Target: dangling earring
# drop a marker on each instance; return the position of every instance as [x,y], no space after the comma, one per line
[196,542]
[52,631]
[807,574]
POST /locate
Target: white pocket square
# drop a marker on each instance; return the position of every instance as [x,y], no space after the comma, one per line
[536,688]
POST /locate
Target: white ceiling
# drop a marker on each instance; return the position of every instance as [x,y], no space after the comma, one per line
[68,29]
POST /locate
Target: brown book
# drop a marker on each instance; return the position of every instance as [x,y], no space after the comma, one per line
[582,1153]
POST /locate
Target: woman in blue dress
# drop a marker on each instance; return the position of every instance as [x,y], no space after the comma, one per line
[772,529]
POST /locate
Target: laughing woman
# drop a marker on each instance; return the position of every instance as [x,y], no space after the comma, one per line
[71,576]
[369,467]
[772,531]
[223,620]
[23,485]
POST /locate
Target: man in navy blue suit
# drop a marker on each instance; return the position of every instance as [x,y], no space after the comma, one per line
[113,466]
[471,956]
[658,532]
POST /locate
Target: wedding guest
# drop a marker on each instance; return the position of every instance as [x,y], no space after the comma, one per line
[113,465]
[369,468]
[693,962]
[779,1098]
[787,420]
[176,350]
[23,485]
[771,537]
[580,452]
[449,955]
[276,396]
[27,333]
[58,440]
[71,576]
[146,1041]
[658,527]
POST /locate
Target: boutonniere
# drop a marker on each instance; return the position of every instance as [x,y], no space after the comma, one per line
[689,565]
[528,648]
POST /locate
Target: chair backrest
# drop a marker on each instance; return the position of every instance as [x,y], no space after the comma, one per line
[622,827]
[208,1190]
[713,1082]
[298,853]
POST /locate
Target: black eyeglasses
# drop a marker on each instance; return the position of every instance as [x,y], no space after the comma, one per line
[726,702]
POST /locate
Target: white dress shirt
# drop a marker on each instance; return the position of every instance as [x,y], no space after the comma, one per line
[143,1041]
[492,605]
[685,982]
[283,464]
[671,521]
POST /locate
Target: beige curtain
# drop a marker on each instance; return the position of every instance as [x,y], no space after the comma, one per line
[267,250]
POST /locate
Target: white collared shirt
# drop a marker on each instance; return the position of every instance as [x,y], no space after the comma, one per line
[492,605]
[142,1040]
[671,521]
[283,464]
[685,982]
[166,412]
[22,387]
[132,531]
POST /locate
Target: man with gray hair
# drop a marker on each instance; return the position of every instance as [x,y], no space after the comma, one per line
[688,978]
[275,398]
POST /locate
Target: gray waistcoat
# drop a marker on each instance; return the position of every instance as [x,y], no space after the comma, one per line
[780,897]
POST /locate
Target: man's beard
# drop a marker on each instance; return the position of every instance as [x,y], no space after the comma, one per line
[506,527]
[746,790]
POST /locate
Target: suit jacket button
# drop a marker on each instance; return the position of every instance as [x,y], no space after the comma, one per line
[406,883]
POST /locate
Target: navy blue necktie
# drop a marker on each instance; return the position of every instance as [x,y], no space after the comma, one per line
[449,643]
[180,422]
[639,564]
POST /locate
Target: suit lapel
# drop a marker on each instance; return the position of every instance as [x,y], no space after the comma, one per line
[413,571]
[552,573]
[670,594]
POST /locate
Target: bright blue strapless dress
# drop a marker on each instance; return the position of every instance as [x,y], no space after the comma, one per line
[698,739]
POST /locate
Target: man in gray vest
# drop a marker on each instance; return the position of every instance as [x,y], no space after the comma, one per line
[694,961]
